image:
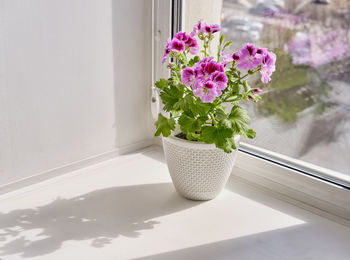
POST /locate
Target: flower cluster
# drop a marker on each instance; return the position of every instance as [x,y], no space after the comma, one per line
[181,42]
[200,87]
[204,29]
[251,58]
[207,79]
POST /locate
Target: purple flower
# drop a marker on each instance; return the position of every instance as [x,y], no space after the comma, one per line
[247,58]
[177,45]
[267,66]
[204,28]
[167,51]
[251,99]
[189,41]
[257,91]
[200,67]
[188,76]
[214,28]
[207,93]
[212,66]
[220,79]
[235,56]
[226,57]
[261,51]
[230,57]
[182,36]
[211,28]
[192,45]
[207,79]
[197,28]
[205,60]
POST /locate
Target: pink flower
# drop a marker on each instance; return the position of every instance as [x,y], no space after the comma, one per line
[207,93]
[177,45]
[204,28]
[248,59]
[182,36]
[257,91]
[230,57]
[192,45]
[173,45]
[189,41]
[197,28]
[226,57]
[207,79]
[261,51]
[167,51]
[188,76]
[251,99]
[235,56]
[205,60]
[268,66]
[220,79]
[200,67]
[212,66]
[214,28]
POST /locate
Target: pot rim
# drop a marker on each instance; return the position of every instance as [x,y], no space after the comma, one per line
[193,144]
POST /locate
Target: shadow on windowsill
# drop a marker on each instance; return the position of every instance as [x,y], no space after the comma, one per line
[100,216]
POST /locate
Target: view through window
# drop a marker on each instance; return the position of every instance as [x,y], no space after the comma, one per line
[305,110]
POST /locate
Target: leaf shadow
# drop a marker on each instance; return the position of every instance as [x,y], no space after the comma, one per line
[99,216]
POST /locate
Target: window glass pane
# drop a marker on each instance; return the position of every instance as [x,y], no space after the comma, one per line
[305,110]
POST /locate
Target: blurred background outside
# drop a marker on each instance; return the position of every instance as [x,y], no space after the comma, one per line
[305,110]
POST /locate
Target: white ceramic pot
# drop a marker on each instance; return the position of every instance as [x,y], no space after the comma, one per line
[199,171]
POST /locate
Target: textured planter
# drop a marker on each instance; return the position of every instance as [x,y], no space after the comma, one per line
[199,171]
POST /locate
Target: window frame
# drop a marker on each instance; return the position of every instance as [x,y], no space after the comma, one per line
[320,190]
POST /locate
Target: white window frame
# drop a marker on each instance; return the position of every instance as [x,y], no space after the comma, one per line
[287,178]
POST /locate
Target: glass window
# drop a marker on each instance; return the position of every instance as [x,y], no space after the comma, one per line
[305,110]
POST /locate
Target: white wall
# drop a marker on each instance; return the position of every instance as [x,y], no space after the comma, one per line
[74,81]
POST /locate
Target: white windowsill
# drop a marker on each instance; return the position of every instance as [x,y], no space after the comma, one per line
[127,208]
[321,197]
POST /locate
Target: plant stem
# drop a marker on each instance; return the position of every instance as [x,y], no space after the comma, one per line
[243,77]
[213,118]
[185,58]
[218,53]
[205,45]
[258,69]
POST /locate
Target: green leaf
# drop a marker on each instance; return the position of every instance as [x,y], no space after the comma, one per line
[234,72]
[193,136]
[246,86]
[185,103]
[220,114]
[236,88]
[219,135]
[233,98]
[170,97]
[193,61]
[226,45]
[161,84]
[250,133]
[164,125]
[200,108]
[222,37]
[231,144]
[239,119]
[189,124]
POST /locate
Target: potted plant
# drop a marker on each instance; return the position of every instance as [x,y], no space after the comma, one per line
[205,119]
